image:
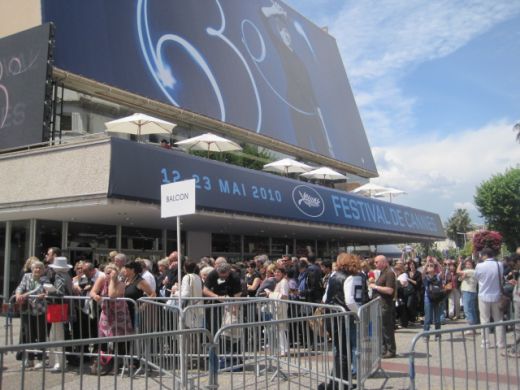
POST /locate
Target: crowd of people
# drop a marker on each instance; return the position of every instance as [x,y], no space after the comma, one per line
[411,291]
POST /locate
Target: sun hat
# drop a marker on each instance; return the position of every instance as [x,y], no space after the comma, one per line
[60,263]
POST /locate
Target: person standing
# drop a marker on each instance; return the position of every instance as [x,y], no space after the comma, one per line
[489,274]
[385,287]
[469,292]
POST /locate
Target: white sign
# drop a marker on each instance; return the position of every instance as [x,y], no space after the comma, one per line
[178,198]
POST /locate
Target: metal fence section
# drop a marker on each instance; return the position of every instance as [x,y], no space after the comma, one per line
[231,343]
[457,358]
[369,340]
[117,362]
[302,350]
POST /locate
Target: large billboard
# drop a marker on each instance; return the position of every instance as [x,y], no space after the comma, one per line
[137,172]
[257,64]
[24,75]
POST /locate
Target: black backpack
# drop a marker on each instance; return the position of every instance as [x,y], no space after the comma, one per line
[436,292]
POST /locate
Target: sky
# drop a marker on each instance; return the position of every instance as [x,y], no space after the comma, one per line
[437,84]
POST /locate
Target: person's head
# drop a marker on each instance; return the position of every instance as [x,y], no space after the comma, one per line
[326,266]
[302,265]
[28,263]
[146,264]
[487,253]
[411,266]
[251,266]
[223,270]
[468,263]
[88,269]
[220,260]
[173,258]
[132,269]
[191,267]
[429,268]
[399,269]
[279,273]
[37,269]
[381,262]
[52,253]
[120,260]
[78,268]
[348,263]
[111,268]
[204,272]
[111,256]
[269,272]
[163,265]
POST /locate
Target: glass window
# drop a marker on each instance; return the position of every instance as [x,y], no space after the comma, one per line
[141,238]
[254,245]
[19,251]
[171,241]
[281,246]
[225,243]
[48,233]
[304,246]
[89,235]
[323,252]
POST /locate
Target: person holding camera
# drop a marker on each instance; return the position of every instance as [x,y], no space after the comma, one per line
[468,289]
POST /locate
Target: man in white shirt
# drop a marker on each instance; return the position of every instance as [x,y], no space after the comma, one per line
[489,274]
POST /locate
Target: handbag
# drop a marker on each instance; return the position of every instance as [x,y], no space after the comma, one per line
[504,303]
[57,312]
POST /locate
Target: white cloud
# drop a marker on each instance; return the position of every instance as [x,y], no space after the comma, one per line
[465,205]
[382,40]
[441,174]
[379,37]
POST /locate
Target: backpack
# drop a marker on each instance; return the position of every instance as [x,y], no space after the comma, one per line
[435,291]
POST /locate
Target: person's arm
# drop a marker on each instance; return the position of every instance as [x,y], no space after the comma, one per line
[96,290]
[208,293]
[116,289]
[21,291]
[144,286]
[254,286]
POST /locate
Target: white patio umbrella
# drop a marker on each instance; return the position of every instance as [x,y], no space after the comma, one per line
[324,173]
[286,166]
[140,124]
[369,189]
[209,142]
[390,192]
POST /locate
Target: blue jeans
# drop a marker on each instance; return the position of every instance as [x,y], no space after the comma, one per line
[469,301]
[432,314]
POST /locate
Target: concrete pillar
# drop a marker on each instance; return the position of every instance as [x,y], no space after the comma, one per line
[198,244]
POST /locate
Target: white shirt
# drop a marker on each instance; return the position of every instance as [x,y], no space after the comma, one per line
[353,290]
[403,279]
[488,280]
[150,279]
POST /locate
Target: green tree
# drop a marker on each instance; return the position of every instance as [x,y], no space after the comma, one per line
[498,200]
[459,222]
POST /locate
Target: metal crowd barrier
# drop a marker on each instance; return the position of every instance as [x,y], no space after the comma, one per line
[456,359]
[243,342]
[262,353]
[146,369]
[369,340]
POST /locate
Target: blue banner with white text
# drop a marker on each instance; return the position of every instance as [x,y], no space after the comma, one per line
[139,170]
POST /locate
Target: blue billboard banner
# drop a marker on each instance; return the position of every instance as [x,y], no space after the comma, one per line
[24,71]
[138,171]
[257,64]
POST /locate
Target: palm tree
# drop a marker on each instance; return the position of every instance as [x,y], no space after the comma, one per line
[517,129]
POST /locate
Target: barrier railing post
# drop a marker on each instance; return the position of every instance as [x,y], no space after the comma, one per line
[213,367]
